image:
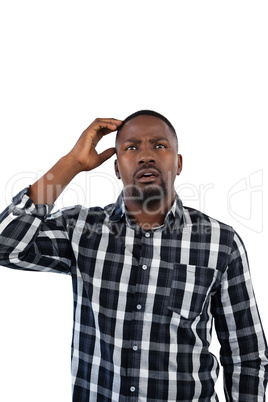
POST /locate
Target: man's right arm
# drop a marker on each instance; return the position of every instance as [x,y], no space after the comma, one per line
[83,157]
[30,240]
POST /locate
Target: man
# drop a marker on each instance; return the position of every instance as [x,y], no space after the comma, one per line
[149,275]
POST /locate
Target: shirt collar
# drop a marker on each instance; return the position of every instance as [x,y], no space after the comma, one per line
[173,218]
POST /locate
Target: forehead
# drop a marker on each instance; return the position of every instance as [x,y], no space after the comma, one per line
[143,126]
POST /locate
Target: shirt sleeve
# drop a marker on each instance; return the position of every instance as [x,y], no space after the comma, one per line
[243,351]
[31,239]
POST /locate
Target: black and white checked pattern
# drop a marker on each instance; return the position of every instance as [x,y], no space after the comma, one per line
[145,301]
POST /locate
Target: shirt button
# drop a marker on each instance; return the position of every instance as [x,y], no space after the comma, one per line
[144,267]
[147,234]
[135,348]
[132,389]
[138,307]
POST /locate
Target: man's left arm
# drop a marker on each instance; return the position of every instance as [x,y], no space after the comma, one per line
[243,345]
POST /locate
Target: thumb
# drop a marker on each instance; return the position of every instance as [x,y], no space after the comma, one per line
[106,154]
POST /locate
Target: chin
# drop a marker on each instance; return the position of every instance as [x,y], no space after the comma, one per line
[151,195]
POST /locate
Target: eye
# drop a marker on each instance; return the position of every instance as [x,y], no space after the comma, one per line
[160,146]
[131,148]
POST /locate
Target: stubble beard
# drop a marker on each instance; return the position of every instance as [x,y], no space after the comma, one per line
[151,197]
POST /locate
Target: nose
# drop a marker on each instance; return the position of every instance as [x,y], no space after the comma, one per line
[146,160]
[146,157]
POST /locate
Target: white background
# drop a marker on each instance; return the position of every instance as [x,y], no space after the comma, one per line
[203,64]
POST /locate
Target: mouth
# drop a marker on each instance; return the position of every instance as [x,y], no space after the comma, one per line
[147,175]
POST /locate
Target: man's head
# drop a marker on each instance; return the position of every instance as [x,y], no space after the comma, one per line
[147,159]
[146,113]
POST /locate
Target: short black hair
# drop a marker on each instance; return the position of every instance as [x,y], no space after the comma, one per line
[147,113]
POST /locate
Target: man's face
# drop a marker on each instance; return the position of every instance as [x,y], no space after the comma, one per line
[147,160]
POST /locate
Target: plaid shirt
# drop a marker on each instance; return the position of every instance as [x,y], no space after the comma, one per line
[145,301]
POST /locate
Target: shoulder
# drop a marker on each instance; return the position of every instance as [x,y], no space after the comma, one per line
[78,213]
[202,223]
[193,217]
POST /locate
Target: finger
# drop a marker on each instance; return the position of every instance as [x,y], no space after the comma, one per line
[104,127]
[106,154]
[109,125]
[111,120]
[104,123]
[107,129]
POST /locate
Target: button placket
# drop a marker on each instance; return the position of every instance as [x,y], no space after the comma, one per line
[139,305]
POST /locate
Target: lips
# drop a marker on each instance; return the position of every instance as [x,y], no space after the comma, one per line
[147,175]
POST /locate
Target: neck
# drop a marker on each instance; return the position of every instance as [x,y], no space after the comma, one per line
[148,217]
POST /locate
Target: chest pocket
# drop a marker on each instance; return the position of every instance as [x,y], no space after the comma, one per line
[190,288]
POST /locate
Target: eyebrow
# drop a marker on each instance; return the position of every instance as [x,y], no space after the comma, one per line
[153,140]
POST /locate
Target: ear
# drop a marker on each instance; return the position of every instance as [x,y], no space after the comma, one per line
[179,165]
[116,169]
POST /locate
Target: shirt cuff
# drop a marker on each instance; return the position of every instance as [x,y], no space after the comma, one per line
[23,204]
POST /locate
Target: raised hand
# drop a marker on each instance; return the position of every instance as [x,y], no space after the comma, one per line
[84,152]
[83,157]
